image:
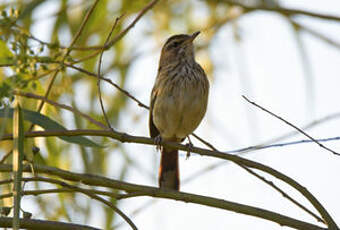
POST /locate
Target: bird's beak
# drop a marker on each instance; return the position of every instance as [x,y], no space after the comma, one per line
[194,35]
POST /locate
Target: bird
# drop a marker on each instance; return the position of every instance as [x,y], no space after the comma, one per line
[178,102]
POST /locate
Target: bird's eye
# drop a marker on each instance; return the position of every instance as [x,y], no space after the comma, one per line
[174,44]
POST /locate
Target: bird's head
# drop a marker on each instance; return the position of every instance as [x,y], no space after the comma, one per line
[178,47]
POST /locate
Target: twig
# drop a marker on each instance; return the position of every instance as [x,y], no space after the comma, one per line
[305,127]
[203,141]
[284,194]
[44,224]
[290,124]
[141,104]
[69,49]
[271,184]
[130,195]
[82,26]
[283,10]
[86,192]
[6,156]
[315,33]
[126,30]
[94,180]
[261,147]
[123,137]
[63,106]
[120,35]
[99,74]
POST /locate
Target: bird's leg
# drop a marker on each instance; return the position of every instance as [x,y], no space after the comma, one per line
[157,141]
[190,146]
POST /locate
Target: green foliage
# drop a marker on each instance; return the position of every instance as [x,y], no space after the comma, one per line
[45,67]
[48,124]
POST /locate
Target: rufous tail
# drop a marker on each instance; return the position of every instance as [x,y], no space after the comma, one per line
[169,169]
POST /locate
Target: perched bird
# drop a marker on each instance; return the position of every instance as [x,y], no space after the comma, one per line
[179,101]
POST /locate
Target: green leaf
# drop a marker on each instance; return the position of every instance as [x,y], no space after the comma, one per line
[49,124]
[5,54]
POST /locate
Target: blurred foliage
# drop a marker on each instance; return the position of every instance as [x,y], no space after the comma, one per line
[28,64]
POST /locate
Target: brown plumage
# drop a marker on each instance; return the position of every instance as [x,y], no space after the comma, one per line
[178,101]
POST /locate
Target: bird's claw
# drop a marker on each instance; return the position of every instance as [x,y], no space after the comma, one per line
[190,146]
[157,141]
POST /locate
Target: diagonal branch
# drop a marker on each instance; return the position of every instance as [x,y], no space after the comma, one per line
[123,137]
[87,192]
[271,184]
[283,10]
[95,180]
[69,49]
[99,74]
[56,104]
[291,125]
[44,224]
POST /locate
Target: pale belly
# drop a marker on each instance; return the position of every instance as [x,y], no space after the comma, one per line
[177,114]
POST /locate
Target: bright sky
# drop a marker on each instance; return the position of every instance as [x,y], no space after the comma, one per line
[267,67]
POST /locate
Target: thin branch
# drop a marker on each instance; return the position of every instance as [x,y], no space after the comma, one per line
[86,192]
[271,184]
[125,31]
[283,10]
[99,74]
[120,35]
[203,141]
[69,49]
[141,104]
[63,106]
[59,190]
[284,194]
[82,26]
[123,137]
[94,180]
[35,224]
[261,147]
[305,127]
[315,33]
[6,156]
[290,124]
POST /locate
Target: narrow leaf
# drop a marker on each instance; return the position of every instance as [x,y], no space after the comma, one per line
[18,156]
[49,124]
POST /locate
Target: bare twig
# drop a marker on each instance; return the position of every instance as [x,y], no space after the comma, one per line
[284,194]
[283,10]
[271,184]
[120,35]
[86,192]
[74,40]
[290,124]
[82,26]
[69,108]
[203,141]
[6,156]
[123,137]
[141,104]
[44,224]
[261,147]
[315,33]
[94,180]
[99,74]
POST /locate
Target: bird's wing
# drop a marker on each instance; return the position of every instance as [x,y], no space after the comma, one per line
[154,132]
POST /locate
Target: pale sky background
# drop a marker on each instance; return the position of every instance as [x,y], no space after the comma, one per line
[267,67]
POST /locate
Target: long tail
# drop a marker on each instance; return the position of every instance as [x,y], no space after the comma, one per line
[169,170]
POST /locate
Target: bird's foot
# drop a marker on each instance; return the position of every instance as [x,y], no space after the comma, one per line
[190,146]
[157,141]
